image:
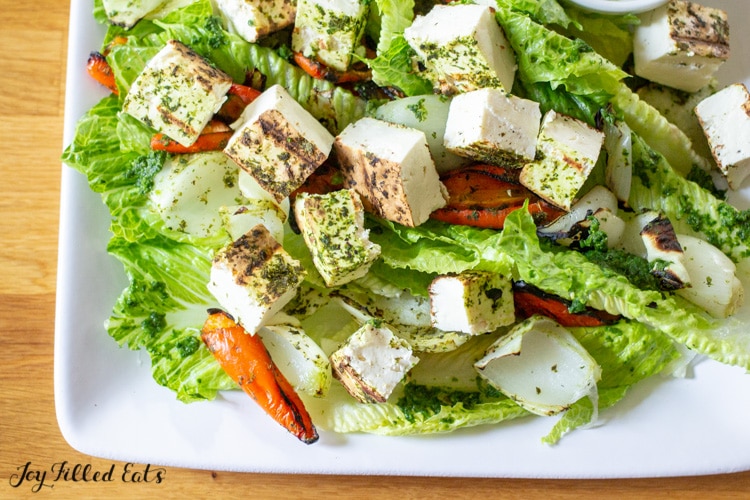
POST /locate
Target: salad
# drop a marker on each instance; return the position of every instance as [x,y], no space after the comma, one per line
[645,330]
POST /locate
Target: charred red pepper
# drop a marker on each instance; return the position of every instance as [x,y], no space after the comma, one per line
[483,195]
[245,359]
[530,300]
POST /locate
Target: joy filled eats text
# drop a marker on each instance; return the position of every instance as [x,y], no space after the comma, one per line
[31,476]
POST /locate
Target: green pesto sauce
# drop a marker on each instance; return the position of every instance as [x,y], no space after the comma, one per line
[217,37]
[636,269]
[154,323]
[704,180]
[187,346]
[144,169]
[425,401]
[419,110]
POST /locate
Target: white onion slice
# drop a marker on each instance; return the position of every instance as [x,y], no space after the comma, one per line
[600,202]
[618,171]
[239,219]
[302,361]
[714,283]
[428,113]
[541,366]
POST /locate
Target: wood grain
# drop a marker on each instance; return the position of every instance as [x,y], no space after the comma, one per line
[33,40]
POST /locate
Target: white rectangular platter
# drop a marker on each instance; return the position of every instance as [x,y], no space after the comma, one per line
[109,406]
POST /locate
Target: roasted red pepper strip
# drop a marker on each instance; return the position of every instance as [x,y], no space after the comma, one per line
[238,97]
[322,72]
[530,300]
[325,179]
[483,196]
[245,359]
[100,70]
[247,94]
[214,141]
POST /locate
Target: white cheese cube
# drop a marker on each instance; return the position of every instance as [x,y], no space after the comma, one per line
[372,362]
[490,126]
[126,13]
[725,119]
[390,166]
[278,142]
[681,44]
[332,226]
[472,302]
[463,48]
[330,30]
[568,150]
[253,278]
[177,93]
[254,19]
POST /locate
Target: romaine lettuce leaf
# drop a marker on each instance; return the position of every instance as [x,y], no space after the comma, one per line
[610,36]
[543,55]
[392,64]
[420,249]
[691,208]
[570,275]
[162,310]
[660,134]
[542,11]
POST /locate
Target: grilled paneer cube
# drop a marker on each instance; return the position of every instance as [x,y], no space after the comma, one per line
[472,302]
[390,166]
[278,142]
[463,48]
[254,19]
[330,31]
[725,119]
[177,93]
[253,278]
[681,44]
[332,226]
[126,13]
[568,149]
[490,126]
[372,362]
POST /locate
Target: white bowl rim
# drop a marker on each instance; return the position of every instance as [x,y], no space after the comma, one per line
[618,6]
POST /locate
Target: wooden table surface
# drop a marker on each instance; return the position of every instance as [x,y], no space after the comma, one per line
[33,43]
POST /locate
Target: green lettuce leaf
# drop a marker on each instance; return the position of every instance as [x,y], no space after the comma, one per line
[420,249]
[544,55]
[570,275]
[691,208]
[610,36]
[541,11]
[162,310]
[658,132]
